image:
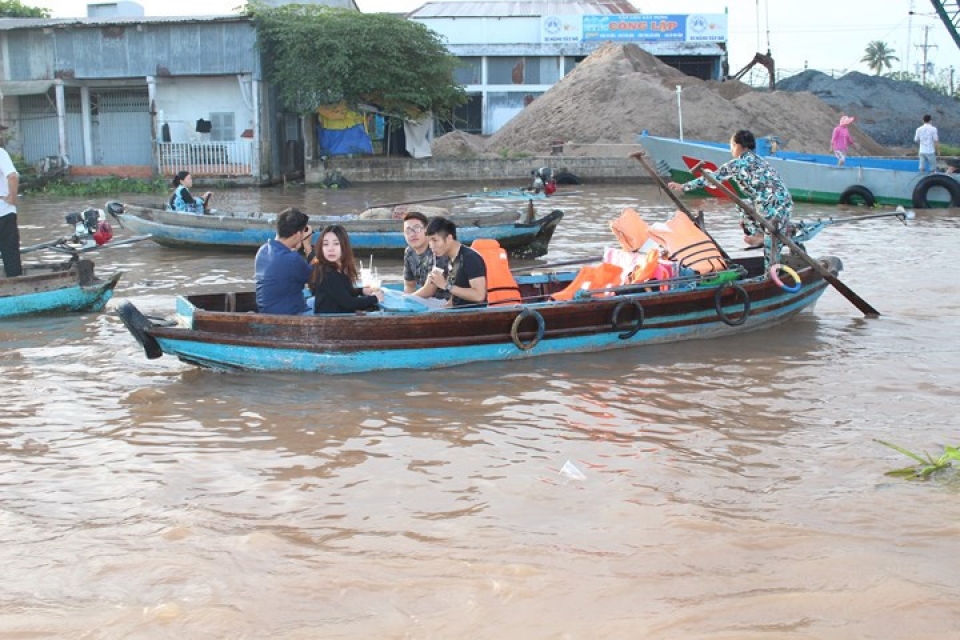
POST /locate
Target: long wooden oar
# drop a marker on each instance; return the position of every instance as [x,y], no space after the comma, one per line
[43,245]
[844,290]
[63,245]
[640,157]
[423,201]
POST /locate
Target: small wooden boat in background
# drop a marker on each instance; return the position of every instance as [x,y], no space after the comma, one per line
[521,238]
[47,288]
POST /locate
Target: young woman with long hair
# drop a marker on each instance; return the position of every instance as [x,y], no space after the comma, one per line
[335,274]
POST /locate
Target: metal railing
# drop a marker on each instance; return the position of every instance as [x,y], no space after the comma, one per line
[227,159]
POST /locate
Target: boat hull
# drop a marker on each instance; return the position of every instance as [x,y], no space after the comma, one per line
[812,178]
[55,288]
[343,344]
[382,237]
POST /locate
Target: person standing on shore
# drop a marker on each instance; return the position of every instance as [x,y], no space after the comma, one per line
[840,140]
[929,141]
[762,186]
[9,230]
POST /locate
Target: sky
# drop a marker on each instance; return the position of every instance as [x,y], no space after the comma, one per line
[827,35]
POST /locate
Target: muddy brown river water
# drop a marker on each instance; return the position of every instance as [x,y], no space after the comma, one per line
[726,489]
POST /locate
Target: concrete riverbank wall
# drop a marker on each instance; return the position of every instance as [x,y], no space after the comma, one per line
[379,169]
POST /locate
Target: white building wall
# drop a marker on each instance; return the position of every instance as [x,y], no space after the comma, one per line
[183,101]
[506,40]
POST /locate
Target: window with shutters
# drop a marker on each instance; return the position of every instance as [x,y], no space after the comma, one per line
[223,127]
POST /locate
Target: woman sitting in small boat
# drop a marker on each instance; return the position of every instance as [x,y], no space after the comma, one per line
[182,200]
[334,275]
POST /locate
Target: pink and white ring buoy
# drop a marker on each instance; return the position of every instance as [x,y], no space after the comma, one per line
[775,276]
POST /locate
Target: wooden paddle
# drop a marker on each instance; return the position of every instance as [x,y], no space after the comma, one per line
[844,290]
[387,205]
[43,245]
[640,157]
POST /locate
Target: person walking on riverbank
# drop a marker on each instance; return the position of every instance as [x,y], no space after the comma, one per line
[840,140]
[9,230]
[929,141]
[763,187]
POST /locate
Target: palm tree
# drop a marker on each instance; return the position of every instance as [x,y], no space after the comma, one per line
[878,55]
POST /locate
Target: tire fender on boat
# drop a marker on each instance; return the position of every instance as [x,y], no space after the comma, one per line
[935,180]
[138,325]
[515,329]
[857,194]
[638,318]
[775,276]
[739,292]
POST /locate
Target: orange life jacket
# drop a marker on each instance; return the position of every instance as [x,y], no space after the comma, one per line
[502,287]
[590,277]
[687,244]
[630,229]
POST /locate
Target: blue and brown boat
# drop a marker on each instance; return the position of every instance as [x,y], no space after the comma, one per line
[699,292]
[71,285]
[520,234]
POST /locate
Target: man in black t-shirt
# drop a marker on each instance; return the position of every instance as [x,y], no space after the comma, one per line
[466,277]
[418,259]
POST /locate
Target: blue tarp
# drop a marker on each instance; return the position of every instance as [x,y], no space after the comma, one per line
[340,142]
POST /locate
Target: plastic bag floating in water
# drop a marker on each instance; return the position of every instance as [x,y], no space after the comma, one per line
[570,470]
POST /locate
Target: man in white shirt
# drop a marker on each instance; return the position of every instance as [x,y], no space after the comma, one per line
[9,231]
[929,145]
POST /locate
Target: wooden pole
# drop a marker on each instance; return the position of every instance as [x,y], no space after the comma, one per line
[640,157]
[845,291]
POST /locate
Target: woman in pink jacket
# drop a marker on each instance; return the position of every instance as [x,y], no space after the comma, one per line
[840,141]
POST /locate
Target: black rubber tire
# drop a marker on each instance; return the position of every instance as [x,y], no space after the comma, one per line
[138,325]
[858,195]
[733,321]
[637,321]
[923,187]
[515,329]
[565,177]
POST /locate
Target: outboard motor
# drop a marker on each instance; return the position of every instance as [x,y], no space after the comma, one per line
[543,180]
[90,224]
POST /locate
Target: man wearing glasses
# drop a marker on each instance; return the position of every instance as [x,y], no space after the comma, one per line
[418,259]
[282,266]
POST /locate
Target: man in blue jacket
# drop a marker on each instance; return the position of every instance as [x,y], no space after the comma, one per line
[282,266]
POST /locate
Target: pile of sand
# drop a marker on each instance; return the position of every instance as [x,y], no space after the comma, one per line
[621,90]
[458,144]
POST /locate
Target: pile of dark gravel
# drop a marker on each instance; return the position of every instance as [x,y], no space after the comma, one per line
[889,111]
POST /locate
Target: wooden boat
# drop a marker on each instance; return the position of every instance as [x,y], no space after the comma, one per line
[45,288]
[223,331]
[816,177]
[522,239]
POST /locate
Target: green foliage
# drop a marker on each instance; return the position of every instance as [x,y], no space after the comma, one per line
[506,154]
[104,186]
[318,55]
[878,56]
[13,9]
[927,466]
[949,150]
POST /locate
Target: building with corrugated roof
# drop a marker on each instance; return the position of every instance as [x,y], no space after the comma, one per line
[120,93]
[515,50]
